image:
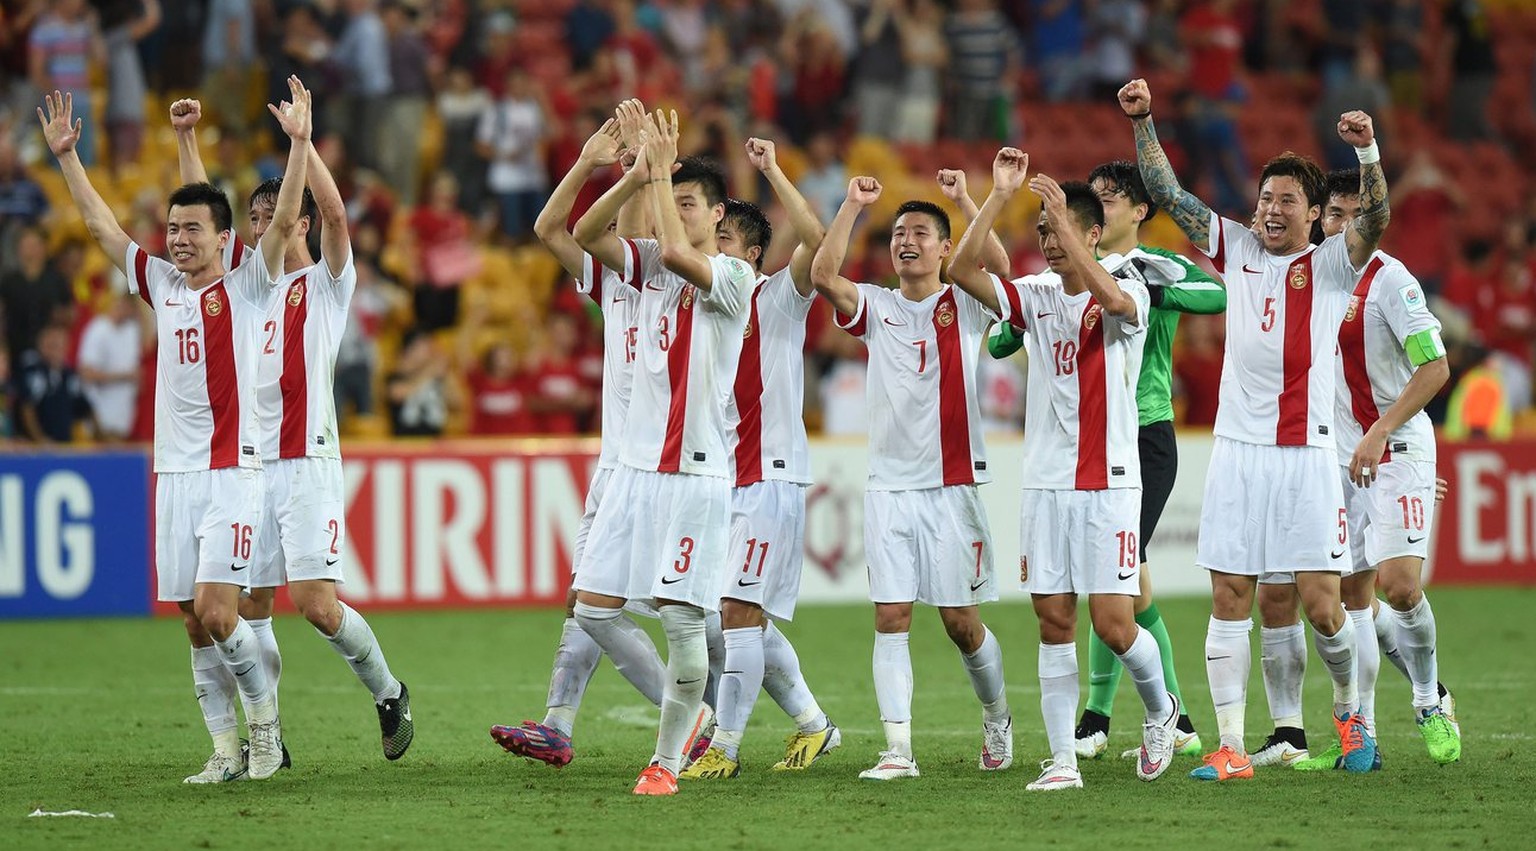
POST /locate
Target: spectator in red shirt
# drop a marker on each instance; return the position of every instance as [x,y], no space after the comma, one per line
[1423,206]
[1215,43]
[446,254]
[1197,366]
[499,395]
[559,394]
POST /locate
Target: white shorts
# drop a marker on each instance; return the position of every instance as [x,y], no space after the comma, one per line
[768,546]
[1080,542]
[207,525]
[305,523]
[660,535]
[1272,509]
[1393,516]
[595,491]
[928,546]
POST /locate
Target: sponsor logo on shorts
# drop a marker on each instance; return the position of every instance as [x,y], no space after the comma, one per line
[1413,540]
[1336,554]
[742,583]
[975,585]
[331,562]
[668,580]
[1127,574]
[238,568]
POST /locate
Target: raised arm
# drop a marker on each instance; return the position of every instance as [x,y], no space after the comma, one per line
[1009,168]
[841,292]
[677,253]
[591,232]
[809,230]
[184,117]
[1363,234]
[600,150]
[994,257]
[335,238]
[296,123]
[1188,212]
[634,219]
[62,132]
[1114,300]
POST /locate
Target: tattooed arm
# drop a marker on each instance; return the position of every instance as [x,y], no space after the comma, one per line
[1188,212]
[1364,233]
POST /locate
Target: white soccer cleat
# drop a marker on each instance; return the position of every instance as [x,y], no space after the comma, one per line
[891,766]
[266,754]
[220,769]
[1157,741]
[1277,751]
[996,744]
[1054,776]
[1091,746]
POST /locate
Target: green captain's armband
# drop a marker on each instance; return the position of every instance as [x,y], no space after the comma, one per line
[1422,347]
[1003,340]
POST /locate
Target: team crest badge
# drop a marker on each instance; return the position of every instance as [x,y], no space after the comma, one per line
[1023,568]
[747,331]
[296,293]
[1354,306]
[1091,316]
[1298,277]
[212,304]
[945,315]
[688,297]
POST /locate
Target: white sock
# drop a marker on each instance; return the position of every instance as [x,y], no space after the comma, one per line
[242,656]
[575,661]
[739,685]
[1058,699]
[683,690]
[1386,638]
[215,689]
[1367,665]
[893,689]
[271,657]
[714,636]
[1228,662]
[355,642]
[786,685]
[1416,640]
[631,649]
[1144,662]
[1283,662]
[1338,652]
[985,667]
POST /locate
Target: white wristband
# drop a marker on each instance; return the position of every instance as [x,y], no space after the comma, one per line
[1368,154]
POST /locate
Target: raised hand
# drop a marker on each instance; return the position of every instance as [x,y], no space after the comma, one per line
[1009,168]
[864,191]
[761,154]
[185,114]
[60,128]
[952,184]
[1136,98]
[1355,128]
[294,115]
[631,116]
[603,148]
[661,142]
[1052,198]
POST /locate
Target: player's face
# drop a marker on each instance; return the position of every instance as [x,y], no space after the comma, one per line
[1050,239]
[917,249]
[261,219]
[1284,217]
[729,240]
[1121,217]
[700,220]
[1341,210]
[192,239]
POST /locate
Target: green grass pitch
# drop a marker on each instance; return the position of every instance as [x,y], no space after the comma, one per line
[99,716]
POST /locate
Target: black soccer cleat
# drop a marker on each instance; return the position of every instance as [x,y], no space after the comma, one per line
[395,724]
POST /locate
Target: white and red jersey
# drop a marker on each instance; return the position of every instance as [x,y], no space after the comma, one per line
[1283,315]
[769,399]
[924,419]
[206,362]
[1388,307]
[690,341]
[1080,415]
[615,293]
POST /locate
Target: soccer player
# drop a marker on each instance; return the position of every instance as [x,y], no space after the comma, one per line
[925,530]
[576,659]
[1391,362]
[209,489]
[1272,498]
[1082,482]
[773,468]
[1127,206]
[304,522]
[662,531]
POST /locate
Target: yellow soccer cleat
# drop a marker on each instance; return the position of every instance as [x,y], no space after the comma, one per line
[713,765]
[805,748]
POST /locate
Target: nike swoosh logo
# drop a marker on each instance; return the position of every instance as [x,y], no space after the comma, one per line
[1127,574]
[887,320]
[1415,540]
[653,288]
[722,673]
[1043,315]
[1250,271]
[246,670]
[331,562]
[689,682]
[978,585]
[745,584]
[1336,554]
[1216,658]
[668,580]
[240,568]
[1290,757]
[169,303]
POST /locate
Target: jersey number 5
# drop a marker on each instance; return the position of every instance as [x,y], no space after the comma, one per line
[1269,315]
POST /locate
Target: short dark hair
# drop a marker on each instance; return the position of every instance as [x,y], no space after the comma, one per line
[267,190]
[749,220]
[1345,182]
[706,173]
[207,195]
[1314,184]
[930,209]
[1124,177]
[1084,203]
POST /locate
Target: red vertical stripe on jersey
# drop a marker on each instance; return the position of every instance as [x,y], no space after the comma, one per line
[1092,403]
[954,416]
[223,381]
[1291,427]
[1362,402]
[749,402]
[292,436]
[141,274]
[678,355]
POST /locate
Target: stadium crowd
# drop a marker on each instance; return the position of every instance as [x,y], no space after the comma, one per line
[444,121]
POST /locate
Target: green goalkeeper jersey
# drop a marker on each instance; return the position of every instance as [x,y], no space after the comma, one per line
[1198,292]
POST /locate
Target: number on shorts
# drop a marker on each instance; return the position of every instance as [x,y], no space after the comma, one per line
[187,349]
[1413,512]
[335,530]
[922,354]
[1130,556]
[762,555]
[1343,528]
[271,329]
[684,555]
[1269,315]
[1066,356]
[977,546]
[242,548]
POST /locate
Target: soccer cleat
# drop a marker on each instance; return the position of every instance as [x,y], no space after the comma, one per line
[1224,764]
[1157,744]
[996,745]
[1440,735]
[802,749]
[701,736]
[1332,760]
[245,752]
[655,780]
[1284,747]
[266,752]
[220,769]
[395,724]
[535,741]
[1358,743]
[1448,706]
[1055,776]
[891,766]
[713,765]
[1091,738]
[1184,744]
